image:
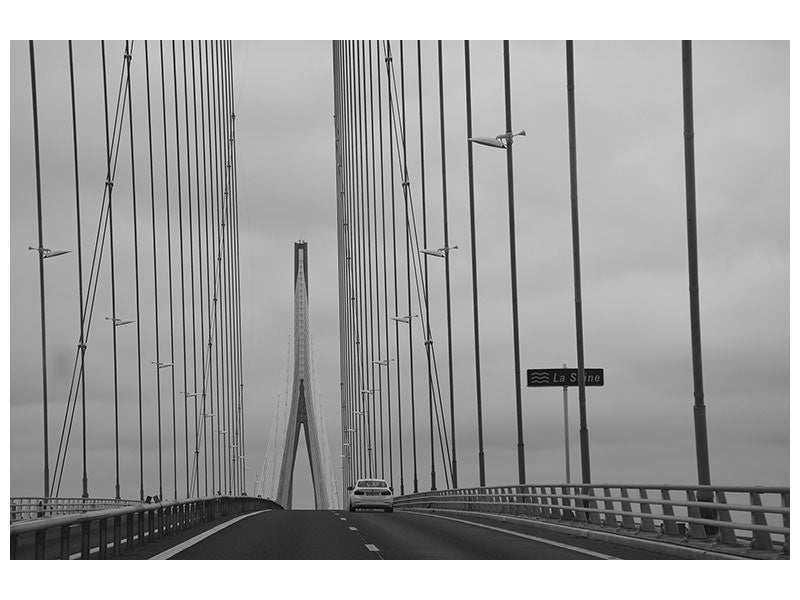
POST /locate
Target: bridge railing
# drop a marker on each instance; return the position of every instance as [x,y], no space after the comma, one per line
[26,509]
[101,533]
[736,516]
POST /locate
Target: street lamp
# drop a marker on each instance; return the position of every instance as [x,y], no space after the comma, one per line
[118,322]
[439,252]
[405,319]
[47,253]
[504,140]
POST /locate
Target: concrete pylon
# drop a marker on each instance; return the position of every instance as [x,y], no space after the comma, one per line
[303,411]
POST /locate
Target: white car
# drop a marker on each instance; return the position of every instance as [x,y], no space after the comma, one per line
[371,493]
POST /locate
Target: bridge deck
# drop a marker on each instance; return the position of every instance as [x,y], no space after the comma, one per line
[375,535]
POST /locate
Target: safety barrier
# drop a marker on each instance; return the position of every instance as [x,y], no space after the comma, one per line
[735,516]
[108,532]
[25,509]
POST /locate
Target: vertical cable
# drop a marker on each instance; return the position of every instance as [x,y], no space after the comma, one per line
[473,253]
[513,259]
[210,249]
[128,57]
[155,259]
[35,109]
[235,226]
[376,302]
[375,247]
[385,286]
[81,313]
[390,115]
[191,258]
[200,287]
[406,186]
[207,359]
[454,473]
[576,264]
[215,216]
[428,339]
[182,269]
[110,187]
[169,278]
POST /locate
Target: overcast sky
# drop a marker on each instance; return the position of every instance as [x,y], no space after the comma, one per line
[633,241]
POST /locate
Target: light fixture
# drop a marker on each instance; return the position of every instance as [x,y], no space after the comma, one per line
[439,252]
[503,140]
[405,319]
[383,363]
[365,391]
[161,365]
[47,253]
[117,322]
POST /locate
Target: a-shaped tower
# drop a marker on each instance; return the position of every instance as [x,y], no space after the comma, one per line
[303,412]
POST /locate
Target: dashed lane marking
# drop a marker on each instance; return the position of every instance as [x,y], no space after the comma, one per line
[199,538]
[353,528]
[533,538]
[372,547]
[342,519]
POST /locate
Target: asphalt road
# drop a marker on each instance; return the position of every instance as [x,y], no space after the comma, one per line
[305,534]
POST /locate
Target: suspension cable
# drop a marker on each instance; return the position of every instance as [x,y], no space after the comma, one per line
[169,271]
[385,287]
[81,314]
[473,256]
[454,471]
[128,58]
[428,338]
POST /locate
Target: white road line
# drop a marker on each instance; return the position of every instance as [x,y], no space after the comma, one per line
[342,519]
[198,538]
[372,547]
[527,537]
[353,528]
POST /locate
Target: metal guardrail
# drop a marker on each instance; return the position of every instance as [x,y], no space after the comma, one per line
[25,509]
[101,531]
[735,516]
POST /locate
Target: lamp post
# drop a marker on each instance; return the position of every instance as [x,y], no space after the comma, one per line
[700,427]
[505,141]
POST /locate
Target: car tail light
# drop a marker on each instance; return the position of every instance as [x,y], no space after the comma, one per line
[386,493]
[358,493]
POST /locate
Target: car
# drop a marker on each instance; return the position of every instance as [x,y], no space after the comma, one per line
[371,493]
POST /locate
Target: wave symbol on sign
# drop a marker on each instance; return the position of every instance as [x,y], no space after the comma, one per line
[540,378]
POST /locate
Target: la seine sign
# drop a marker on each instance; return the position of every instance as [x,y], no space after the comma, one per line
[563,377]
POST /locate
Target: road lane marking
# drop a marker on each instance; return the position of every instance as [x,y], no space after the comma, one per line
[200,537]
[527,537]
[342,519]
[372,547]
[353,528]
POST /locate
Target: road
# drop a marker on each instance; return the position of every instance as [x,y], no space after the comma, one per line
[306,534]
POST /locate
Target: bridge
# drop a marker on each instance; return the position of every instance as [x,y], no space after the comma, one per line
[130,183]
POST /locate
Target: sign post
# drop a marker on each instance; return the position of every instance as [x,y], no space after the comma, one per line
[564,378]
[566,430]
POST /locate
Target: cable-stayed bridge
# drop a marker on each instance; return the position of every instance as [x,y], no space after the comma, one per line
[149,229]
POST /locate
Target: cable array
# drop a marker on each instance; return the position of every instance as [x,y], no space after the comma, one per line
[383,272]
[182,94]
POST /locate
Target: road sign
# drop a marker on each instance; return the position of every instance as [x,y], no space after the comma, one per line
[563,377]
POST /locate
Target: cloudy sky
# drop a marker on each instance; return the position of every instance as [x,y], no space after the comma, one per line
[633,238]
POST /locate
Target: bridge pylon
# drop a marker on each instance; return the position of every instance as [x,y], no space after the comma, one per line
[303,408]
